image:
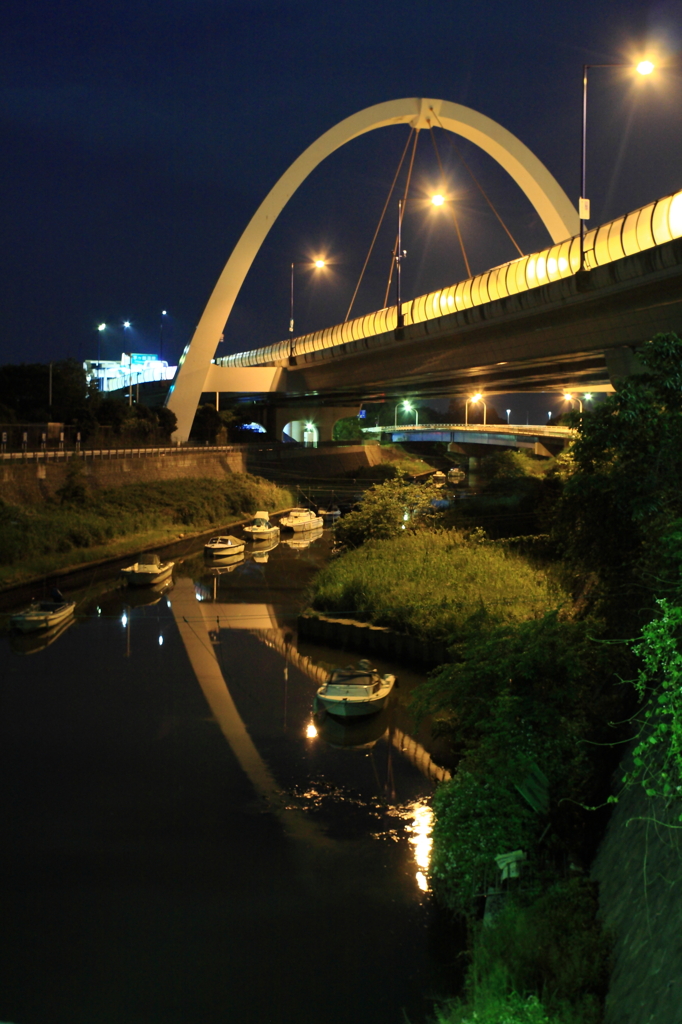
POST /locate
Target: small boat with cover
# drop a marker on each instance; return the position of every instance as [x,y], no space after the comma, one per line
[43,614]
[149,569]
[261,528]
[220,547]
[355,690]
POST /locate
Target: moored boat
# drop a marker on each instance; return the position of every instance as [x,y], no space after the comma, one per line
[329,515]
[220,547]
[438,479]
[150,569]
[300,519]
[261,528]
[42,615]
[355,690]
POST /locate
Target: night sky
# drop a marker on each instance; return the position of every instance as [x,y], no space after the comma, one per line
[139,138]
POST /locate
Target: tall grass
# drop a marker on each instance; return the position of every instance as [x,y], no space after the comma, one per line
[430,584]
[84,520]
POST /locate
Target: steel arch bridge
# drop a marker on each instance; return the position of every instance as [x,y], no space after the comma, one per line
[544,192]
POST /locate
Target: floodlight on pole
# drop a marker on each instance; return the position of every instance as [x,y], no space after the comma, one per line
[645,67]
[318,264]
[475,398]
[572,398]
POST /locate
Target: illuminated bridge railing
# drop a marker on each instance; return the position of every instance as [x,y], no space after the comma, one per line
[645,228]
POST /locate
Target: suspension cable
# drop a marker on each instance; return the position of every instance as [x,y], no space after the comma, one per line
[402,214]
[381,220]
[478,185]
[452,205]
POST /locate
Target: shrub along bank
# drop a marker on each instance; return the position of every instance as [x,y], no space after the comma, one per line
[80,525]
[525,703]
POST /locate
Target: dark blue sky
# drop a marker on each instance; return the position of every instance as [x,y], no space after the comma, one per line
[139,137]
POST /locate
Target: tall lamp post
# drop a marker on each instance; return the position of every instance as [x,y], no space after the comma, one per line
[645,67]
[474,399]
[400,254]
[300,263]
[572,398]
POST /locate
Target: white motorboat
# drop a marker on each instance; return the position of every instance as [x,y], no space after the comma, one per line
[261,528]
[150,569]
[456,475]
[42,615]
[223,547]
[438,479]
[355,690]
[300,519]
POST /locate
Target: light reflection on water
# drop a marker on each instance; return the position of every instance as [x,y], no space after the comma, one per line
[349,806]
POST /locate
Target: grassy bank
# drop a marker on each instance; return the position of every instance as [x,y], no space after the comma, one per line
[430,584]
[81,526]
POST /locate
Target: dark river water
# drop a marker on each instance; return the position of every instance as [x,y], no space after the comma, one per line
[182,843]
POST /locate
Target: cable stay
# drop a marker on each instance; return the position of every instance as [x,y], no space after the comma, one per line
[381,220]
[396,254]
[452,205]
[475,181]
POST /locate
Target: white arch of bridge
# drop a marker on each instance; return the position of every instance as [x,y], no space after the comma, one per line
[544,192]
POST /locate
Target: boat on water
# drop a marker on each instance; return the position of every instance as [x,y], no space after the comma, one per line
[150,569]
[456,475]
[261,528]
[222,547]
[32,643]
[438,479]
[329,515]
[42,615]
[300,519]
[355,690]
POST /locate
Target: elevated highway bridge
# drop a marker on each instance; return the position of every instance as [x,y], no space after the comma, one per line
[540,322]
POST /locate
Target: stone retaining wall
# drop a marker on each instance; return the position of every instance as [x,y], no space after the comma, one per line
[364,637]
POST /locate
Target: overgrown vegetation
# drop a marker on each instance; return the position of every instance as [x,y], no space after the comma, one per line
[35,539]
[431,584]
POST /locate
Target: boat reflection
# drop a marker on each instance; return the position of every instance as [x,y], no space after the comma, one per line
[31,643]
[144,596]
[262,548]
[221,564]
[299,541]
[352,734]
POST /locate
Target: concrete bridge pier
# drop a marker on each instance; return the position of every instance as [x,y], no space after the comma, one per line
[307,424]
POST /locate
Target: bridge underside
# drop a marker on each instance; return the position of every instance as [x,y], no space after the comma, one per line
[575,332]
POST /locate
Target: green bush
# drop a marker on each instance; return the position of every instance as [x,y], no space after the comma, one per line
[430,584]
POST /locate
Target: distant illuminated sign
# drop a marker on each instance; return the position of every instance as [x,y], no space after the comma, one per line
[142,357]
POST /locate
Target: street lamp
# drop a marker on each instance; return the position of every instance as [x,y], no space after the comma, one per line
[572,398]
[319,263]
[408,407]
[508,415]
[475,398]
[645,67]
[400,254]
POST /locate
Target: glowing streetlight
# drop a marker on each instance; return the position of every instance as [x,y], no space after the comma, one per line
[645,67]
[438,200]
[101,327]
[508,411]
[475,398]
[318,264]
[572,398]
[126,323]
[408,407]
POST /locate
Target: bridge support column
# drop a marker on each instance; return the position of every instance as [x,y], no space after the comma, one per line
[308,423]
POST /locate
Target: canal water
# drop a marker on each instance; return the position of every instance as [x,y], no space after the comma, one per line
[184,842]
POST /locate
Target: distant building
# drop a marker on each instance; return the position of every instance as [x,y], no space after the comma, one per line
[132,368]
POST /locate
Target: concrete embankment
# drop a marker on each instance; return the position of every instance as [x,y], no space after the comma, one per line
[639,870]
[365,637]
[33,480]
